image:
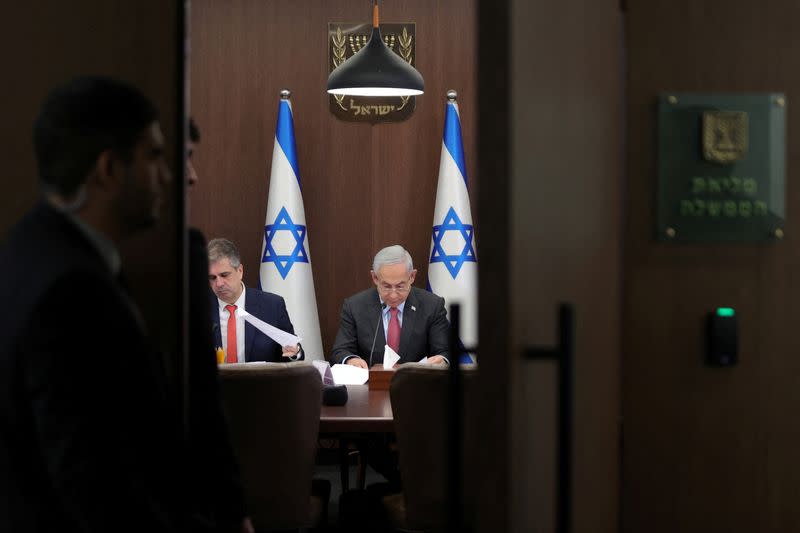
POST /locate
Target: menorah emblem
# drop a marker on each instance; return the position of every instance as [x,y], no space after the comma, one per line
[399,38]
[357,42]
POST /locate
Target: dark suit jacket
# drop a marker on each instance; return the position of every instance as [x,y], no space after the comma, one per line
[265,306]
[424,331]
[87,441]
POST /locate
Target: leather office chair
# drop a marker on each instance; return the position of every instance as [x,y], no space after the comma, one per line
[419,403]
[273,411]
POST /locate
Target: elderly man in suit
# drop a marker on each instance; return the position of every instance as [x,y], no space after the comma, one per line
[240,340]
[88,438]
[414,322]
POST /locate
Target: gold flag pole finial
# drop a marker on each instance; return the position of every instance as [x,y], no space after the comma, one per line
[452,95]
[286,94]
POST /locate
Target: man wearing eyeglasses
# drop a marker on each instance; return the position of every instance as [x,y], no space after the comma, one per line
[413,322]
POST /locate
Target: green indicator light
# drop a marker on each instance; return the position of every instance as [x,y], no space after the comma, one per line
[725,311]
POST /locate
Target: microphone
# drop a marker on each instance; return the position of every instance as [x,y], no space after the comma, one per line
[375,337]
[334,395]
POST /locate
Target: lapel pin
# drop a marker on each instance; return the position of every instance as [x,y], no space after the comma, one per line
[413,308]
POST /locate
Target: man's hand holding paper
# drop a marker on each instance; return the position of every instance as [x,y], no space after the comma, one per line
[290,351]
[290,343]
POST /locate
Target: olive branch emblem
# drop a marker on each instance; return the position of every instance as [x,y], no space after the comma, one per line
[405,53]
[405,45]
[339,46]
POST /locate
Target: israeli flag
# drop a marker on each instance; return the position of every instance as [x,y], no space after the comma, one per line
[285,254]
[453,268]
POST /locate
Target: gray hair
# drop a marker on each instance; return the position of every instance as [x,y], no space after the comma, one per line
[222,248]
[392,255]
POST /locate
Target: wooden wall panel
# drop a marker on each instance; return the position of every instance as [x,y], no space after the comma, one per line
[706,449]
[49,42]
[364,186]
[565,246]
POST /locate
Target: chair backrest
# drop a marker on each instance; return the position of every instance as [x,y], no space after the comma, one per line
[273,410]
[419,404]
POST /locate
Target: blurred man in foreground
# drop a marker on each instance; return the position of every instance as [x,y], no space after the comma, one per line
[215,486]
[88,440]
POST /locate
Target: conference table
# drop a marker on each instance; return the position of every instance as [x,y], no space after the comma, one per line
[366,412]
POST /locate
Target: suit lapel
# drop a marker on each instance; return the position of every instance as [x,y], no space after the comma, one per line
[252,307]
[407,330]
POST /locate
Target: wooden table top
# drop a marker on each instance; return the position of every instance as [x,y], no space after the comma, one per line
[366,411]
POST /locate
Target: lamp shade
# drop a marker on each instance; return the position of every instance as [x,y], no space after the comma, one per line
[375,71]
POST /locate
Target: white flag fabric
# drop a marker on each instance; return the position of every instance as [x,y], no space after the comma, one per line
[453,266]
[285,253]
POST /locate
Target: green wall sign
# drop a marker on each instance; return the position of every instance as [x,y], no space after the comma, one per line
[721,167]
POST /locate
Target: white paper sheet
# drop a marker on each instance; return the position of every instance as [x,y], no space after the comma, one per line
[349,375]
[278,335]
[390,357]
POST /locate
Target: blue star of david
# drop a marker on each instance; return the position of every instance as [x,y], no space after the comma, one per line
[284,263]
[453,262]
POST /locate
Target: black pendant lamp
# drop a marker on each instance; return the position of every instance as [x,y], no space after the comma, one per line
[375,70]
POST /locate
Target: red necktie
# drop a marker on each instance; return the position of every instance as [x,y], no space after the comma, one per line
[393,335]
[233,354]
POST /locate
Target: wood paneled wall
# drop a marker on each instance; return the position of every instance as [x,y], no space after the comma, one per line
[709,449]
[364,186]
[49,42]
[565,246]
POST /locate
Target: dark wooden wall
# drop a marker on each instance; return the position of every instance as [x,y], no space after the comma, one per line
[50,42]
[364,186]
[706,449]
[564,246]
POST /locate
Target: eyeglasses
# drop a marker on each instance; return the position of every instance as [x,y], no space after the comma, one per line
[400,288]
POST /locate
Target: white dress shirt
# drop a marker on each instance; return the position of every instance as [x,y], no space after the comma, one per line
[223,326]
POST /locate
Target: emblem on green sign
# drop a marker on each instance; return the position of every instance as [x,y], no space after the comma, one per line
[724,136]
